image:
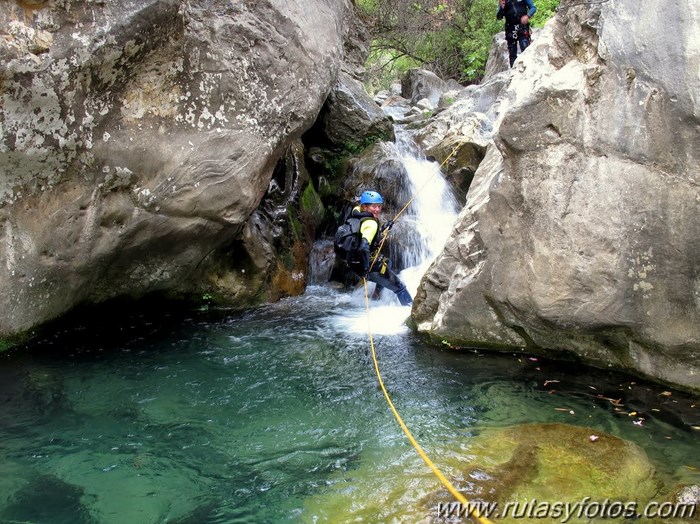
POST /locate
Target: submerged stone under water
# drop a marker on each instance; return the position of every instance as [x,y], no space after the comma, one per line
[45,498]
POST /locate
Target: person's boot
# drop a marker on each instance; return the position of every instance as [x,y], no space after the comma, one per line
[377,293]
[404,297]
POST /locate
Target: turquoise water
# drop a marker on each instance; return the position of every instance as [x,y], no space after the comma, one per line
[275,416]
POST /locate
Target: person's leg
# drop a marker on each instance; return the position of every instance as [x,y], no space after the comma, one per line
[382,281]
[512,41]
[404,297]
[524,43]
[380,265]
[402,293]
[512,53]
[392,282]
[524,37]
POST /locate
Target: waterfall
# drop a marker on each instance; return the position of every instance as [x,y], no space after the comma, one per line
[433,209]
[424,227]
[415,241]
[420,232]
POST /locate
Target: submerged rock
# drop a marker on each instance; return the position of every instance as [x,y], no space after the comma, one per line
[46,498]
[529,464]
[550,463]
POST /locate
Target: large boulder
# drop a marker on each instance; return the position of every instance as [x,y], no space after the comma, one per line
[580,233]
[137,137]
[418,84]
[498,59]
[350,118]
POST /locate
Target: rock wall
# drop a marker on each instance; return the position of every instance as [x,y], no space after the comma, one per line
[138,137]
[580,237]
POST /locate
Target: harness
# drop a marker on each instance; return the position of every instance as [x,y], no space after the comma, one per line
[513,11]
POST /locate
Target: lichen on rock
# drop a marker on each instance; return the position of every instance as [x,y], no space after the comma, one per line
[138,138]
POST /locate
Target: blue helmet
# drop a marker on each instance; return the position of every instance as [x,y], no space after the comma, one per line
[371,197]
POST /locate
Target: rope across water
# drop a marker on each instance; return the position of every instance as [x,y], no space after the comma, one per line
[471,510]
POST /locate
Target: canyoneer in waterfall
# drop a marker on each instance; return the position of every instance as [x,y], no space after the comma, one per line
[357,243]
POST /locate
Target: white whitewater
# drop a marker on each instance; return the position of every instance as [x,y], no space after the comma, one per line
[428,221]
[421,231]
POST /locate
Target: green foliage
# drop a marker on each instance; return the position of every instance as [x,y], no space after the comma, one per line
[545,10]
[452,38]
[481,25]
[205,302]
[335,163]
[355,148]
[7,343]
[384,66]
[311,204]
[367,6]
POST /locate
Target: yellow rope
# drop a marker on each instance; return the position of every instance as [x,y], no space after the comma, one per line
[473,512]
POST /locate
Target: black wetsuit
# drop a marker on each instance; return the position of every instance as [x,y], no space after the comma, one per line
[516,33]
[377,268]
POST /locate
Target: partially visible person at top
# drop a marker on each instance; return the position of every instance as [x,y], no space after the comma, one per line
[363,263]
[517,14]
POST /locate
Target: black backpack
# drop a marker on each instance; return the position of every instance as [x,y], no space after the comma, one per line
[347,238]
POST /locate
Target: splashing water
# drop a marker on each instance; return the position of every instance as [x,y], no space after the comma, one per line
[424,226]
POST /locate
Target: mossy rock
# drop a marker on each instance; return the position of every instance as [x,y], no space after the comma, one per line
[311,204]
[11,341]
[541,462]
[559,463]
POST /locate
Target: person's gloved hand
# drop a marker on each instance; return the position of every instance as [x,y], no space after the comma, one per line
[387,226]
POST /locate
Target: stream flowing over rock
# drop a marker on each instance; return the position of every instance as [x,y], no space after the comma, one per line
[580,236]
[138,137]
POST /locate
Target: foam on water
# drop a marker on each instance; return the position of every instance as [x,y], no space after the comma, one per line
[380,320]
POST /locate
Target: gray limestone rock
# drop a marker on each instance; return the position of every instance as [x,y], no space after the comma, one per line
[350,115]
[137,137]
[581,235]
[420,83]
